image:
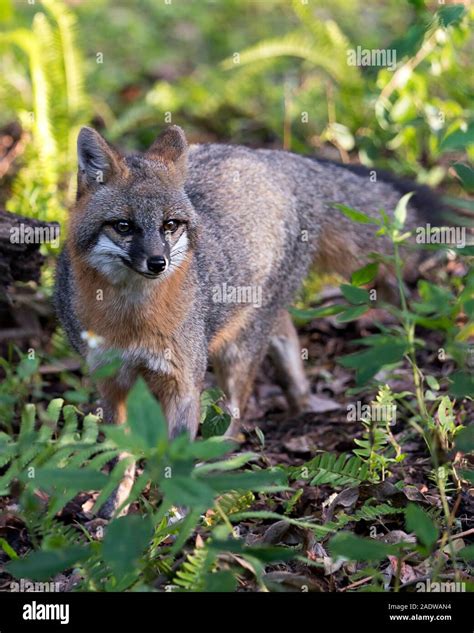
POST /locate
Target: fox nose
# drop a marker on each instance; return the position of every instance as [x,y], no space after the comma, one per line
[156,264]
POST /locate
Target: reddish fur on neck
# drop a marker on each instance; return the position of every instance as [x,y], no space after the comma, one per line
[124,323]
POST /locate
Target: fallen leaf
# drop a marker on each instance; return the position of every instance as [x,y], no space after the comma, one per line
[347,499]
[323,405]
[300,444]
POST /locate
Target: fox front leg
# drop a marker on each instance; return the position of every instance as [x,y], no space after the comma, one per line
[180,401]
[113,396]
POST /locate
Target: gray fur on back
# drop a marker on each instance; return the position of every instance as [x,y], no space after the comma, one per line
[262,215]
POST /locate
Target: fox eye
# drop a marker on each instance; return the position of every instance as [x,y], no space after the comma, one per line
[123,226]
[170,226]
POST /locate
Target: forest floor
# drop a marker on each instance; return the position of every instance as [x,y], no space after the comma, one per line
[280,438]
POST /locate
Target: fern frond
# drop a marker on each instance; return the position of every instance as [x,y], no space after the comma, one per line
[45,183]
[191,576]
[38,449]
[293,44]
[368,512]
[76,108]
[67,25]
[7,450]
[230,503]
[330,468]
[29,44]
[326,32]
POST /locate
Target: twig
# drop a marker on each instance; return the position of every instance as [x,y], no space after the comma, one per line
[454,537]
[358,583]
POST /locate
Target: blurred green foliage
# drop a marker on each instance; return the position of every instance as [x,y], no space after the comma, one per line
[271,73]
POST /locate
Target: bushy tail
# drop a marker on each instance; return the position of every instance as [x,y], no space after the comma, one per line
[432,206]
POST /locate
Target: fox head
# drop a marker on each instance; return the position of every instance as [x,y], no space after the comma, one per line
[132,220]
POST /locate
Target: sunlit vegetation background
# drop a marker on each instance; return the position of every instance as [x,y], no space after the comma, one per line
[64,64]
[264,73]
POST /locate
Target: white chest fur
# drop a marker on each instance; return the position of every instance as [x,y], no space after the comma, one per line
[149,359]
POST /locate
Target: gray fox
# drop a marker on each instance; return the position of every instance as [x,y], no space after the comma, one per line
[188,254]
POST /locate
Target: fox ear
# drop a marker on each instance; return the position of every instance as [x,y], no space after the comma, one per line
[97,159]
[170,146]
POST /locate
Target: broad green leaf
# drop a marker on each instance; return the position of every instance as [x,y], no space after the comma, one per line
[436,301]
[111,363]
[410,42]
[44,565]
[468,475]
[209,397]
[237,461]
[432,383]
[462,385]
[464,439]
[354,294]
[351,314]
[419,522]
[466,175]
[185,491]
[368,363]
[365,275]
[208,449]
[220,582]
[216,422]
[357,548]
[355,216]
[6,11]
[469,309]
[69,479]
[249,480]
[315,313]
[121,439]
[145,417]
[451,14]
[467,553]
[459,139]
[27,367]
[265,553]
[125,541]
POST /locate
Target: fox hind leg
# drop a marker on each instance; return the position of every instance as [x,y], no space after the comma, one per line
[235,366]
[285,353]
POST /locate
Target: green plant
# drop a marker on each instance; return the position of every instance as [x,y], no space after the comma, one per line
[50,113]
[406,122]
[329,468]
[377,439]
[19,380]
[428,409]
[214,420]
[61,461]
